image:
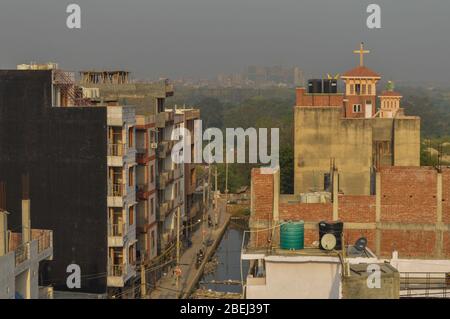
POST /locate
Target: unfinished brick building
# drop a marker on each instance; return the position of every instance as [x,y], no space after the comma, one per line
[410,212]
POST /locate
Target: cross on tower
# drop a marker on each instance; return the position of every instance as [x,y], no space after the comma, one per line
[361,53]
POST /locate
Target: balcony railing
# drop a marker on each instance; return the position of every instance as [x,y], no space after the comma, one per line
[116,190]
[22,253]
[142,190]
[116,270]
[43,237]
[116,149]
[116,230]
[141,154]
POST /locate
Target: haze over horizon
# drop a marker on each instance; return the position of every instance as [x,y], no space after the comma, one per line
[201,38]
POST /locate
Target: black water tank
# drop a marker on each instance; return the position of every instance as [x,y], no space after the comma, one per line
[315,86]
[330,86]
[335,228]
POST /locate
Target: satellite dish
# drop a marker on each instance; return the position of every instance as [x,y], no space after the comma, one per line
[328,241]
[361,244]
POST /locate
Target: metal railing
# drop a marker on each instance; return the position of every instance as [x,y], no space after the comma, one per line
[425,284]
[22,253]
[116,149]
[116,270]
[116,230]
[117,190]
[44,240]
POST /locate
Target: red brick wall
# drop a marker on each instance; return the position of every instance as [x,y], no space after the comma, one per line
[446,246]
[408,195]
[446,196]
[409,243]
[352,235]
[262,190]
[303,99]
[357,209]
[306,212]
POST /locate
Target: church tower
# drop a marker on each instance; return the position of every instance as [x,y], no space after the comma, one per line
[390,102]
[360,89]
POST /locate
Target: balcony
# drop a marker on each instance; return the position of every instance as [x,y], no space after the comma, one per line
[118,274]
[116,235]
[116,194]
[22,254]
[142,155]
[163,211]
[163,148]
[116,190]
[40,247]
[142,192]
[116,230]
[116,154]
[44,239]
[163,180]
[116,149]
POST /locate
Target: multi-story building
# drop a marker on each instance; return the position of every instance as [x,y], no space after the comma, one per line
[147,232]
[81,157]
[20,255]
[164,188]
[170,175]
[121,161]
[192,202]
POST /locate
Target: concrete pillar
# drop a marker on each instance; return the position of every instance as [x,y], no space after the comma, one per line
[439,198]
[439,225]
[377,213]
[335,195]
[3,233]
[276,196]
[275,209]
[26,223]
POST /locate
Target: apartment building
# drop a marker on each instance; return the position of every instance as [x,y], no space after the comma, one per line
[21,254]
[170,176]
[121,161]
[173,185]
[81,157]
[193,203]
[147,223]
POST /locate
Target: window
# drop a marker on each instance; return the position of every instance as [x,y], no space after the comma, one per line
[131,215]
[152,205]
[131,255]
[131,137]
[358,89]
[352,89]
[356,108]
[160,105]
[152,174]
[369,89]
[131,177]
[363,89]
[153,240]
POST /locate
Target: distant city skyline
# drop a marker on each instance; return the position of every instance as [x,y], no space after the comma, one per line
[203,38]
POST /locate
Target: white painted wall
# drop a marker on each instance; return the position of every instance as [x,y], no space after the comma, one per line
[309,280]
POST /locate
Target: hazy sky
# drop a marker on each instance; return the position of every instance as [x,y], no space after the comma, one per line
[174,38]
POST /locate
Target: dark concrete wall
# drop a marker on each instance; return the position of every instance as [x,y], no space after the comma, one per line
[64,152]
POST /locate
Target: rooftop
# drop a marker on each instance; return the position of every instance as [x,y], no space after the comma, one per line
[361,71]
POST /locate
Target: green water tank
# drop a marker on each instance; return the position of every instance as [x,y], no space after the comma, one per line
[292,235]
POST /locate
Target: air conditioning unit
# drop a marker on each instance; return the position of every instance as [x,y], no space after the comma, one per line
[154,145]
